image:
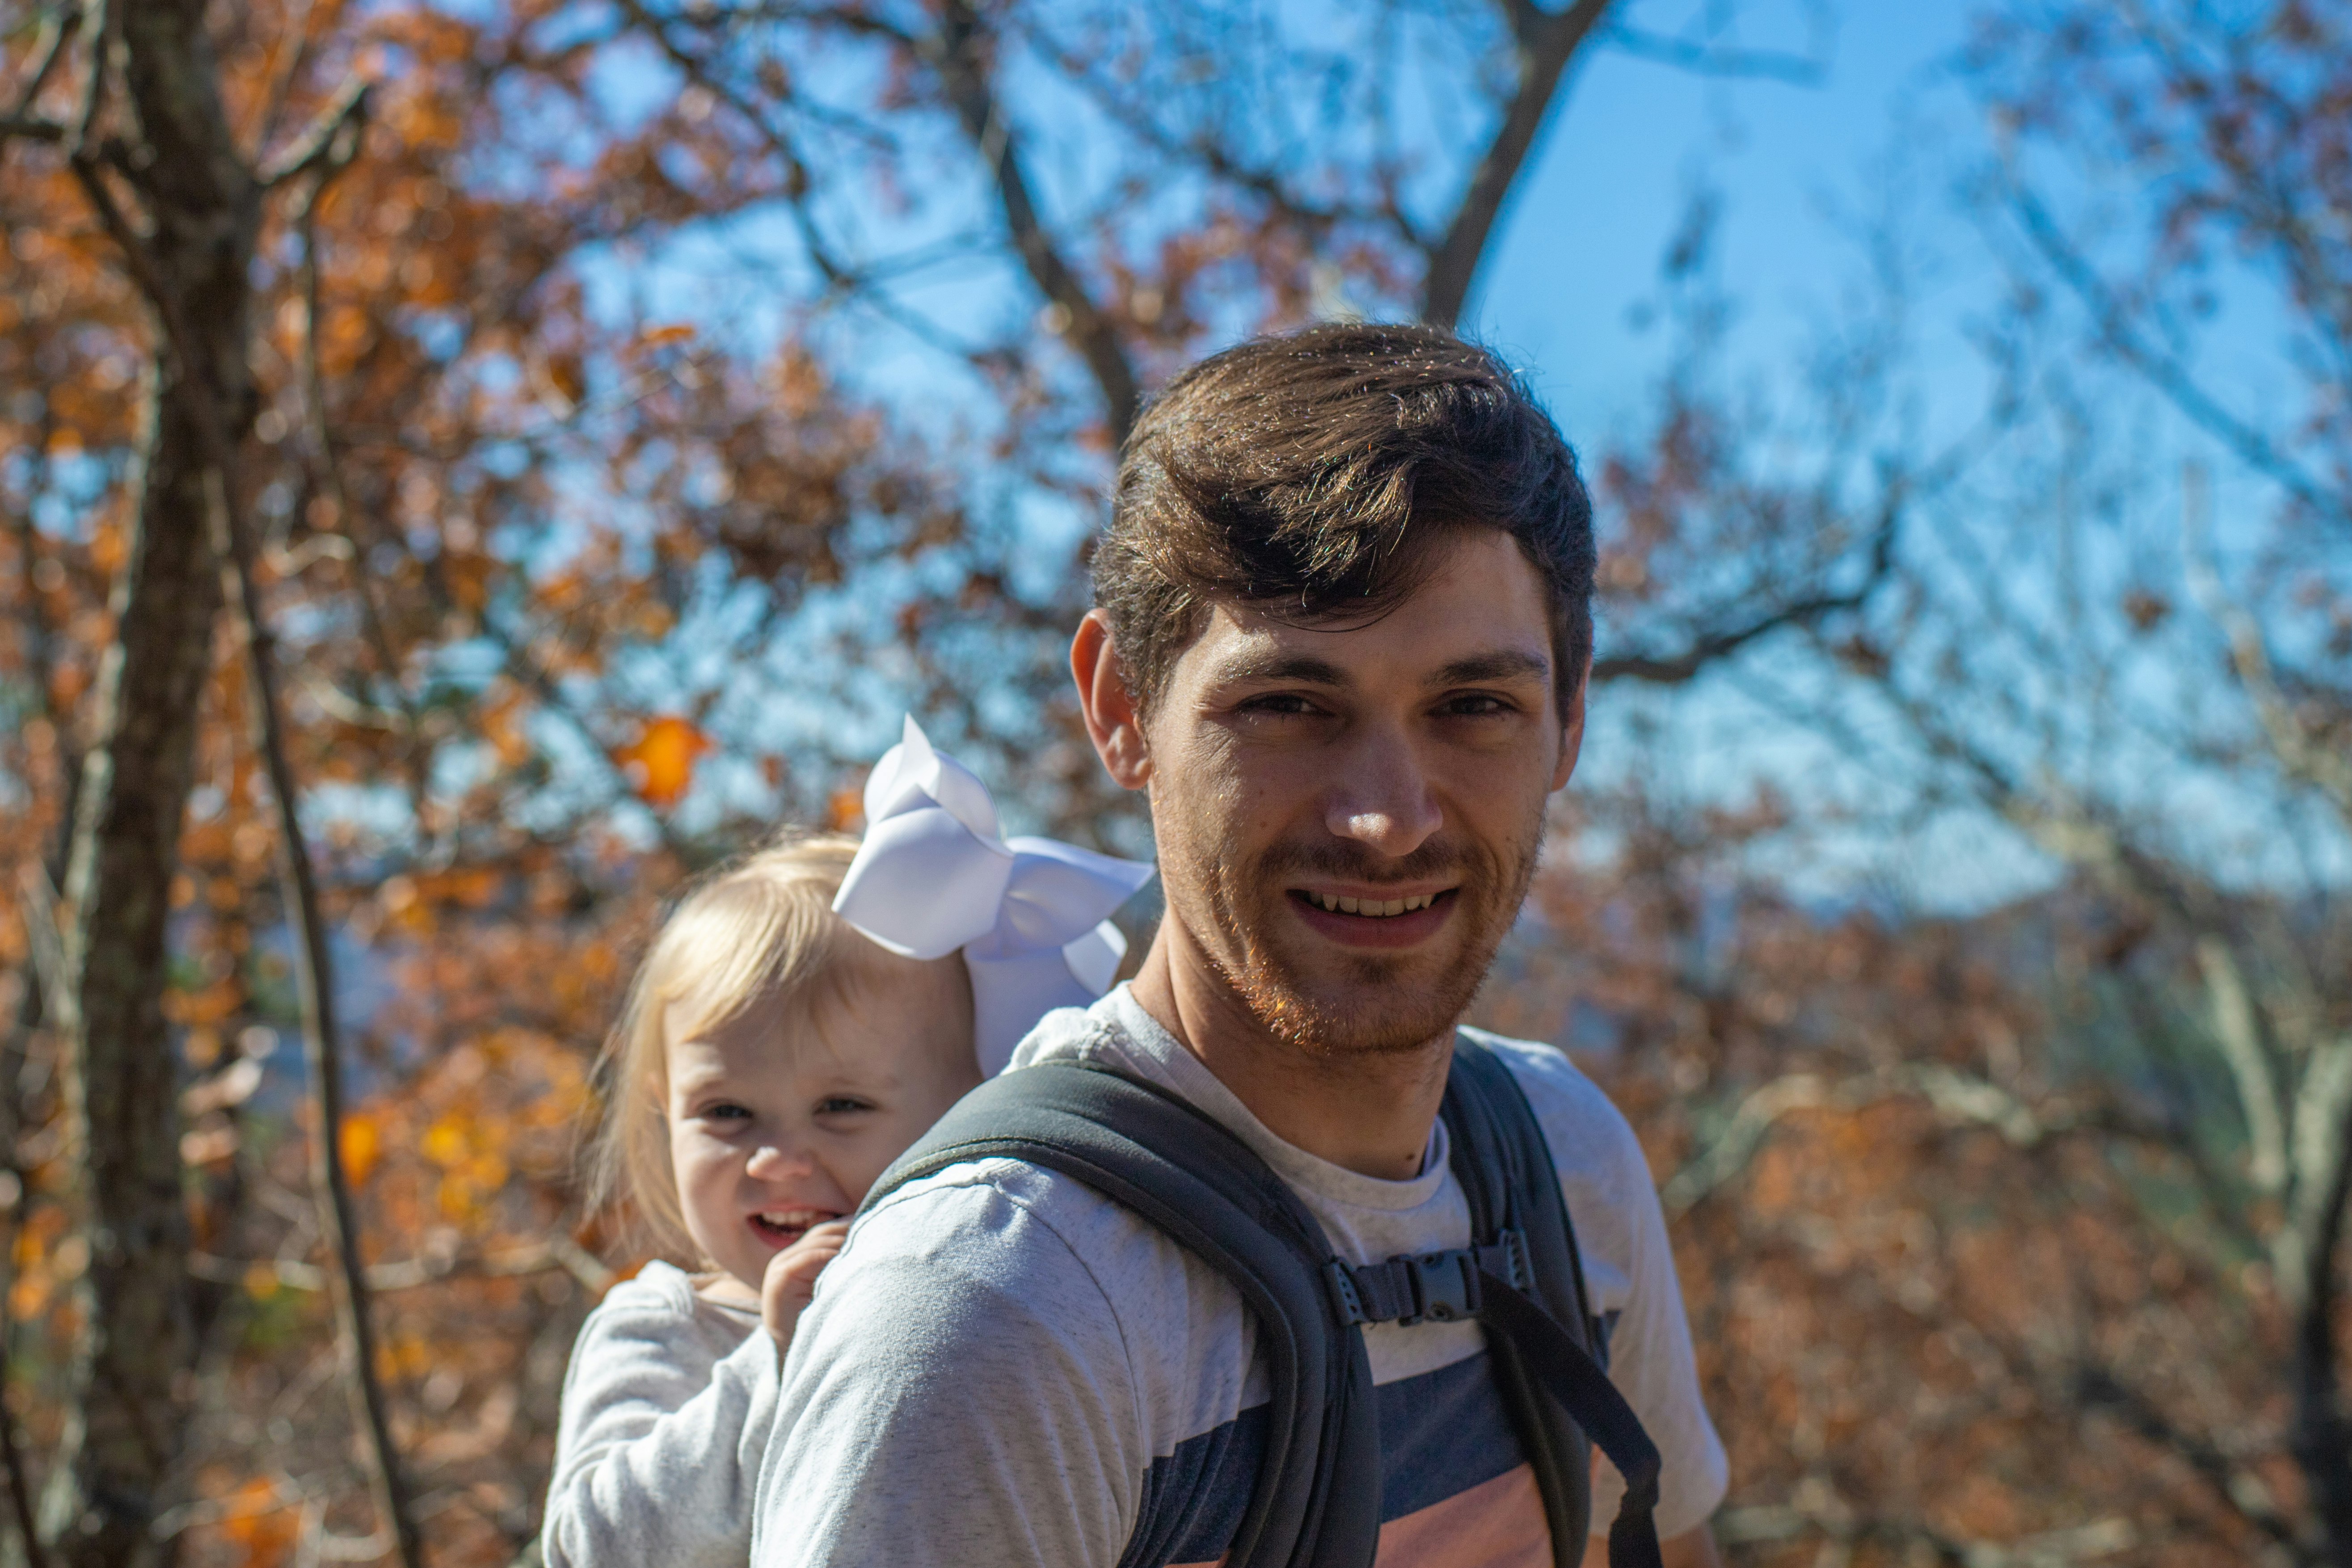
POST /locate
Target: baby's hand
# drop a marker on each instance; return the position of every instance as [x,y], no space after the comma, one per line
[792,1274]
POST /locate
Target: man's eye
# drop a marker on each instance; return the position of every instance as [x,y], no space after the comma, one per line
[1475,705]
[1279,702]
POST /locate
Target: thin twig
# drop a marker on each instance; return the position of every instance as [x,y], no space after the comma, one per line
[1717,59]
[2319,765]
[11,1453]
[281,85]
[347,1276]
[2163,370]
[1667,669]
[52,969]
[960,52]
[100,29]
[55,33]
[330,477]
[330,142]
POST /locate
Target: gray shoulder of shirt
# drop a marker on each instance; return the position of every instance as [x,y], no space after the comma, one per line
[961,1217]
[1040,1237]
[1590,1139]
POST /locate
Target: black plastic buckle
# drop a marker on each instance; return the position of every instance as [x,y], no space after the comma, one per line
[1444,1286]
[1522,1271]
[1342,1281]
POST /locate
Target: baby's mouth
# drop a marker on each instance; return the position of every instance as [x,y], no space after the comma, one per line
[781,1228]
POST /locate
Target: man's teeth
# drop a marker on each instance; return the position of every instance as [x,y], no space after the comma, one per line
[1381,908]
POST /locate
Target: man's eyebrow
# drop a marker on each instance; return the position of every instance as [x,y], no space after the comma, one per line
[1503,664]
[1255,667]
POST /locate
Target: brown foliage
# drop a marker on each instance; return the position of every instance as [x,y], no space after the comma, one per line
[1973,1259]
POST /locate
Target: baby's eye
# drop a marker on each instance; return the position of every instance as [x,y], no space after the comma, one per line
[841,1104]
[725,1110]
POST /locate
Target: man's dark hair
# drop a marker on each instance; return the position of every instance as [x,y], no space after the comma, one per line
[1314,470]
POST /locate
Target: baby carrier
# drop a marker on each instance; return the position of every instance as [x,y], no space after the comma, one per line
[1316,1502]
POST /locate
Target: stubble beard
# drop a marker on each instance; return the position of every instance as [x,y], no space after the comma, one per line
[1335,1006]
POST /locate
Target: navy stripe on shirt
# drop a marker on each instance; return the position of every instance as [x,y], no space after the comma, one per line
[1442,1433]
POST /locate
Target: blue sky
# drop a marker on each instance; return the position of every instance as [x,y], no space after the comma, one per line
[1568,293]
[1610,184]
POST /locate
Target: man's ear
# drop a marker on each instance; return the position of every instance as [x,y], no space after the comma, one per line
[1571,728]
[1113,721]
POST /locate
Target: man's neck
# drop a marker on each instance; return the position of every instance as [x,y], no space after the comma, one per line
[1370,1113]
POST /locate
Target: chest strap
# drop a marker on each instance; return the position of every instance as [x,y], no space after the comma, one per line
[1441,1287]
[1487,1285]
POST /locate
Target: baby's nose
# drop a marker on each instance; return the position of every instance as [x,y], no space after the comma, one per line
[771,1161]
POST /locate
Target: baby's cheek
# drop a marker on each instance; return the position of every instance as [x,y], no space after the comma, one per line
[704,1183]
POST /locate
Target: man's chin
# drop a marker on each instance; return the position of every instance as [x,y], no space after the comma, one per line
[1387,1011]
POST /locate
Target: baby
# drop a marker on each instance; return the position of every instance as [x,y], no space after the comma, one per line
[770,1063]
[773,1058]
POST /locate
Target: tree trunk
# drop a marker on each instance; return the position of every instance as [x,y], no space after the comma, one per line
[2319,1434]
[192,256]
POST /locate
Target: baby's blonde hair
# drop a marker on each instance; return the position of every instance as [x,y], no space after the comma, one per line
[759,927]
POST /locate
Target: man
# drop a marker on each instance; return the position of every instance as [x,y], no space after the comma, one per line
[1341,636]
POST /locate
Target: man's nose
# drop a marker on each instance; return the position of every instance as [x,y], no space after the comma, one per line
[1381,797]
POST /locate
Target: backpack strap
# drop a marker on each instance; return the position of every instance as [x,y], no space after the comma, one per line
[1499,1156]
[1547,1363]
[1317,1500]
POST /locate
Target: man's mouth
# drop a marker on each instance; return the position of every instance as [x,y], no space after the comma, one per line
[781,1228]
[1375,908]
[1355,920]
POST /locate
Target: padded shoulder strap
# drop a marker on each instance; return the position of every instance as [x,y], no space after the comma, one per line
[1315,1503]
[1499,1156]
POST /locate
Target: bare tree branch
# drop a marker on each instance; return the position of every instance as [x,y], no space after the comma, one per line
[1667,669]
[1787,1522]
[960,51]
[2240,1035]
[281,85]
[99,25]
[842,277]
[1546,43]
[57,29]
[1956,1096]
[2097,1387]
[2320,1434]
[347,1278]
[51,967]
[1713,60]
[2327,766]
[331,140]
[2164,372]
[12,1456]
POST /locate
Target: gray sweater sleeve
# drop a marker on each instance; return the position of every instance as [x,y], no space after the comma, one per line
[660,1437]
[958,1393]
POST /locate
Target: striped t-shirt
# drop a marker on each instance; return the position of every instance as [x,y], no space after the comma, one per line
[1004,1368]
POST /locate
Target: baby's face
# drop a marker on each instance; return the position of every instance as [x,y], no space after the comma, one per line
[781,1118]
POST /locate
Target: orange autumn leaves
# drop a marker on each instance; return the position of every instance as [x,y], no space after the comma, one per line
[659,763]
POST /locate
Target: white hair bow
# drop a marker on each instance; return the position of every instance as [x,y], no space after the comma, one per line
[1029,914]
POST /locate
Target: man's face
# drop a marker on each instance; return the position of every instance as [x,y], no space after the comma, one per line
[1349,814]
